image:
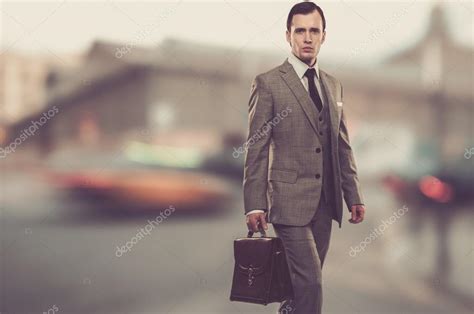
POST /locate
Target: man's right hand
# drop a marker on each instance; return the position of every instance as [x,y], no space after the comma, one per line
[255,220]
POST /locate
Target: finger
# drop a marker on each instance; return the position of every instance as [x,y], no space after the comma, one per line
[263,221]
[249,223]
[354,214]
[253,224]
[357,218]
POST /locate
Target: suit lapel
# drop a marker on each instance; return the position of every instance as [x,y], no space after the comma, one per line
[294,83]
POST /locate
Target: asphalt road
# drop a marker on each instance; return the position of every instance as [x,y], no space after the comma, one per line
[58,256]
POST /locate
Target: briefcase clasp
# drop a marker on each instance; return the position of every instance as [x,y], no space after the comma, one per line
[250,270]
[251,276]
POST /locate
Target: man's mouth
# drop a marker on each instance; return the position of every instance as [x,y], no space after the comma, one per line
[307,49]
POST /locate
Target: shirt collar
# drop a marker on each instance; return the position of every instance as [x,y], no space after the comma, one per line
[301,67]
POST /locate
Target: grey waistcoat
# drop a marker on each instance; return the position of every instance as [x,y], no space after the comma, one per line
[324,124]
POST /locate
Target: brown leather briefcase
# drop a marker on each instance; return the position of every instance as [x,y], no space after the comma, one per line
[261,272]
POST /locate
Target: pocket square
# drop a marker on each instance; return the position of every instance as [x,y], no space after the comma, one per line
[339,103]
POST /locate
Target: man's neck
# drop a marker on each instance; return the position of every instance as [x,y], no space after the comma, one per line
[310,63]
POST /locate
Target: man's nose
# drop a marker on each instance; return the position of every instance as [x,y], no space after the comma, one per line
[307,37]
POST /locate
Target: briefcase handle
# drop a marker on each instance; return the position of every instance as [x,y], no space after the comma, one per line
[262,233]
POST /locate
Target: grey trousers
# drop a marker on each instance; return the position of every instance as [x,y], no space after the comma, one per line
[306,249]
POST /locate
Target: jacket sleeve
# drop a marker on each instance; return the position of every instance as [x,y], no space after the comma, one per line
[257,146]
[349,180]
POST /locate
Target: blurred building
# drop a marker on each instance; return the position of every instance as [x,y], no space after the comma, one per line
[22,83]
[121,89]
[22,86]
[424,91]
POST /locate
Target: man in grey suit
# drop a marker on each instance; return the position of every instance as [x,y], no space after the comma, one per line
[299,163]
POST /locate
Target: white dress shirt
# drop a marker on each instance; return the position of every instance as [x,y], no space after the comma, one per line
[300,69]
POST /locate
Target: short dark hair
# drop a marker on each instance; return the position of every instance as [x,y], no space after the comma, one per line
[306,7]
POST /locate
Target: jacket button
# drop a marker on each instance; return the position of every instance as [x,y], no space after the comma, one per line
[321,133]
[317,176]
[318,150]
[320,118]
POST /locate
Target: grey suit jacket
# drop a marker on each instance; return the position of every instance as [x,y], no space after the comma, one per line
[283,171]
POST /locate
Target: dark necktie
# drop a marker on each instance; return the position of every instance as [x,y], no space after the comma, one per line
[313,92]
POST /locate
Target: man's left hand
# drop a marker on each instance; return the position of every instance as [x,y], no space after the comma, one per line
[358,212]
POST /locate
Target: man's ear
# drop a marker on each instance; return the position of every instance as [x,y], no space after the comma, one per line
[324,37]
[288,37]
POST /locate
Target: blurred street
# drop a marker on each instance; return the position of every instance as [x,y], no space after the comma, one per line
[123,142]
[52,255]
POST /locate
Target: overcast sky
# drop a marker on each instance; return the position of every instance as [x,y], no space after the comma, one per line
[372,28]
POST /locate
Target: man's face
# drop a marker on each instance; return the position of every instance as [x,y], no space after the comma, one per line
[306,36]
